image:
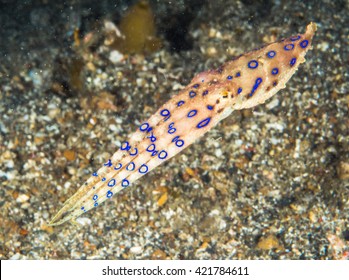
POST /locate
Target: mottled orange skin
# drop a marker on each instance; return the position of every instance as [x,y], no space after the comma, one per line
[223,96]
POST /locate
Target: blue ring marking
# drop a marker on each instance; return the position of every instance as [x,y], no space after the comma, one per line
[293,39]
[192,94]
[111,183]
[83,208]
[203,123]
[256,85]
[205,93]
[258,81]
[274,84]
[153,148]
[230,77]
[95,174]
[117,168]
[271,54]
[96,204]
[108,163]
[154,153]
[162,154]
[179,143]
[128,168]
[123,148]
[142,128]
[238,74]
[239,90]
[275,71]
[152,137]
[143,169]
[135,153]
[253,64]
[192,113]
[209,107]
[293,61]
[103,179]
[95,197]
[289,47]
[165,113]
[304,44]
[172,130]
[109,194]
[196,86]
[180,103]
[125,183]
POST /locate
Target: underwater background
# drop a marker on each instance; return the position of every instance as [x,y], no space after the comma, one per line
[76,78]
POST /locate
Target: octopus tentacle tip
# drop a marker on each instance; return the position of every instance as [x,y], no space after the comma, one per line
[311,27]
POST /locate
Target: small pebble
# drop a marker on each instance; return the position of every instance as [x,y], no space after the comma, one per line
[115,56]
[69,154]
[22,198]
[343,170]
[158,255]
[162,199]
[83,221]
[268,243]
[136,250]
[16,256]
